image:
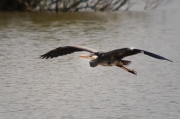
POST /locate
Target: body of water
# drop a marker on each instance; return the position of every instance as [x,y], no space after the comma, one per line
[67,87]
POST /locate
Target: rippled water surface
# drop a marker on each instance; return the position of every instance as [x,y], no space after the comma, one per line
[67,87]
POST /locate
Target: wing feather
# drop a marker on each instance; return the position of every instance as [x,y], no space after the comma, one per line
[121,53]
[60,51]
[152,54]
[124,52]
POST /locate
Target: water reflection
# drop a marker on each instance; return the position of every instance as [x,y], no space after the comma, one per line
[67,87]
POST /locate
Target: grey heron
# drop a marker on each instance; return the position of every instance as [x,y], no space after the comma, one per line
[110,58]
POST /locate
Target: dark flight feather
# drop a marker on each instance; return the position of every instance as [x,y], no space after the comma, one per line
[60,51]
[151,54]
[124,52]
[121,53]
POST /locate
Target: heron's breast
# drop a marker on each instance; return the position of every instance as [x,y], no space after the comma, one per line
[108,62]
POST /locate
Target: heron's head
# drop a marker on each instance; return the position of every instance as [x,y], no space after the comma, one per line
[90,56]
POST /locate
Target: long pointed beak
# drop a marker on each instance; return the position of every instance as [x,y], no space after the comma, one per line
[84,56]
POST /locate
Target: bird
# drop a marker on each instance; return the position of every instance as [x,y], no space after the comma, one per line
[110,58]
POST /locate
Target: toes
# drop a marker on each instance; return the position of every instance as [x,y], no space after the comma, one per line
[133,72]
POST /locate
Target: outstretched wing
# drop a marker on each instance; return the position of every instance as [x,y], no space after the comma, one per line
[121,53]
[60,51]
[151,54]
[124,52]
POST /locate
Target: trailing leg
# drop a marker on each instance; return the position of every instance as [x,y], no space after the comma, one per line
[128,70]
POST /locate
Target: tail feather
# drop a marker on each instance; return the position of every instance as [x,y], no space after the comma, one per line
[125,62]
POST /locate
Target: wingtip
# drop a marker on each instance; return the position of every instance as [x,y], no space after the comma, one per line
[43,57]
[170,61]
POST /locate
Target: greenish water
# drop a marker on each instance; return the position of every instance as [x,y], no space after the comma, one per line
[67,87]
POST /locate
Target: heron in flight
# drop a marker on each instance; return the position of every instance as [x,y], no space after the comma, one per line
[110,58]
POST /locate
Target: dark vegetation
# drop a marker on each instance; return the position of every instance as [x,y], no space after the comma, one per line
[60,5]
[18,5]
[74,5]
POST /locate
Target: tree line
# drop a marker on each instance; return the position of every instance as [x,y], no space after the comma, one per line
[74,5]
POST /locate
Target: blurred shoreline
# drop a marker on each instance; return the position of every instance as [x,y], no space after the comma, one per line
[76,5]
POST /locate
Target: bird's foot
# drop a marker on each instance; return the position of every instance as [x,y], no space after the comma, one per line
[132,71]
